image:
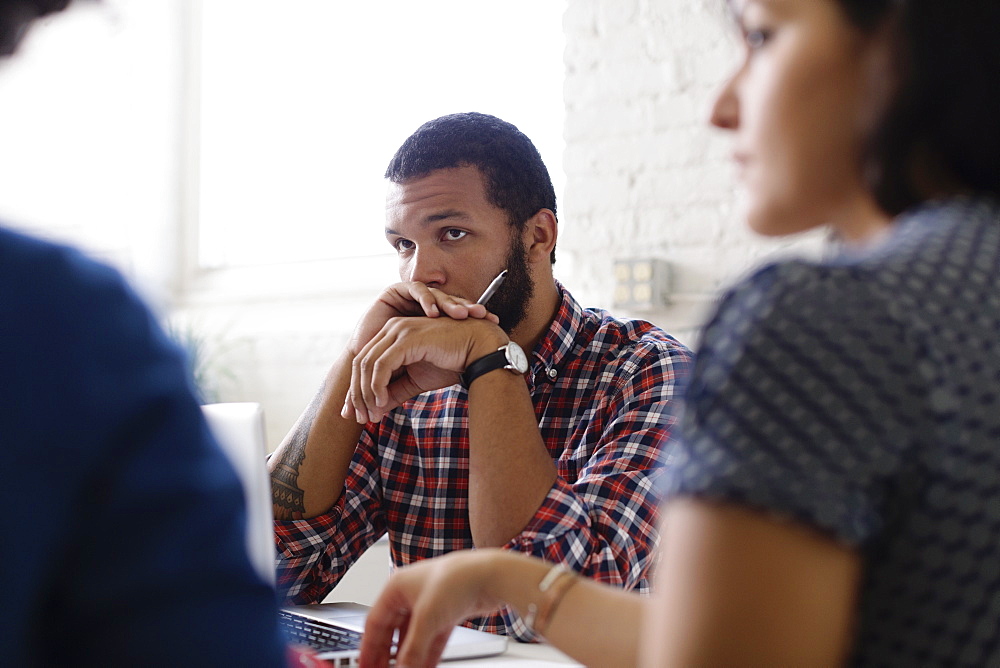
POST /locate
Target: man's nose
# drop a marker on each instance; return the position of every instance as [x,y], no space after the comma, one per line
[427,267]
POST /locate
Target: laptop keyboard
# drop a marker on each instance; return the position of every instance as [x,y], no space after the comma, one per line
[317,635]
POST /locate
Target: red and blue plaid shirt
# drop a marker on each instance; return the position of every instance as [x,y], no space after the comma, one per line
[605,392]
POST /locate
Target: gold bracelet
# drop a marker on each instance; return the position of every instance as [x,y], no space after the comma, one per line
[553,588]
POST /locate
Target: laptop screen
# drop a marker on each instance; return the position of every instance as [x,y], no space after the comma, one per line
[239,429]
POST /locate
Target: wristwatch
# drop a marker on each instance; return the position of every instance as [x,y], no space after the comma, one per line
[508,356]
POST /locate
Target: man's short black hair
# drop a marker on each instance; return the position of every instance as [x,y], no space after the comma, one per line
[515,177]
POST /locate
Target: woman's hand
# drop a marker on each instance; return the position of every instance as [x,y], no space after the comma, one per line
[424,602]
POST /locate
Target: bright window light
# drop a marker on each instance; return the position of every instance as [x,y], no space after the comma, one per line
[303,104]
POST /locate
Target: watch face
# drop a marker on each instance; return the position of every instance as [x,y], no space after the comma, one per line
[517,358]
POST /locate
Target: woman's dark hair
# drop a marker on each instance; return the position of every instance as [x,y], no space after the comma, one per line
[944,116]
[17,15]
[515,177]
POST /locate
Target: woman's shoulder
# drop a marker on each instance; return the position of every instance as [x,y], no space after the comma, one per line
[944,252]
[787,298]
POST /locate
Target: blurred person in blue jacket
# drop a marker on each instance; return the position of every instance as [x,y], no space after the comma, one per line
[123,522]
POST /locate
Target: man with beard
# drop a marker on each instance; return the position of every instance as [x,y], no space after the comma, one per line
[436,427]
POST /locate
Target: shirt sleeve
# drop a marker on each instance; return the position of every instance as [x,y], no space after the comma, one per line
[315,553]
[804,402]
[604,524]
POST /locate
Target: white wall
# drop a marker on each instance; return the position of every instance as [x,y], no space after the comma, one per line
[646,175]
[274,349]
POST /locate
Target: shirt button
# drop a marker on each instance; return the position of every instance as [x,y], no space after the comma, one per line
[552,373]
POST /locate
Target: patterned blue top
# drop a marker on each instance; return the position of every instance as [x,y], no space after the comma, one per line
[861,396]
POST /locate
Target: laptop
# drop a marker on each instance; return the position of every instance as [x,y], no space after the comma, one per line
[332,629]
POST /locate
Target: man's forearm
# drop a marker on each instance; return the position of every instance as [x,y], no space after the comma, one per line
[510,470]
[309,468]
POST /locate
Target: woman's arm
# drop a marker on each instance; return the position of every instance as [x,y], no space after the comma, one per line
[593,623]
[736,587]
[733,587]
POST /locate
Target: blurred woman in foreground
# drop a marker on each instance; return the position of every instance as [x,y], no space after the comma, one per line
[835,496]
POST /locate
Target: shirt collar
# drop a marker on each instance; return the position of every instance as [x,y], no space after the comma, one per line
[560,340]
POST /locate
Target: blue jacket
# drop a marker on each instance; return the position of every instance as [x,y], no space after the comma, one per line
[122,521]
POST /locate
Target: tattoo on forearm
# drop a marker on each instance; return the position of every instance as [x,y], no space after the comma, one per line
[289,499]
[287,496]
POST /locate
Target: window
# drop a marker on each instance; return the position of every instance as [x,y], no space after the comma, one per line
[89,123]
[228,147]
[303,103]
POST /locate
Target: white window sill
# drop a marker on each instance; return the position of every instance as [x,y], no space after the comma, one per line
[354,277]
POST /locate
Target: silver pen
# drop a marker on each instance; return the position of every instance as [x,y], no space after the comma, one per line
[492,288]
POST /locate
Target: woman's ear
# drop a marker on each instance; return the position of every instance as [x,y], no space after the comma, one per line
[541,232]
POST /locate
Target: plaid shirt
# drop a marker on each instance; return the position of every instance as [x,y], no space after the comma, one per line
[605,393]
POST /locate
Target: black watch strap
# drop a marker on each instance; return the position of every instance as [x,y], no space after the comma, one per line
[485,364]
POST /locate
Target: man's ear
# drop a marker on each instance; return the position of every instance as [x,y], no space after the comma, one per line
[540,233]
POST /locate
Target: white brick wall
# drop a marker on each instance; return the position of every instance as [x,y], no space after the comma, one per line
[645,175]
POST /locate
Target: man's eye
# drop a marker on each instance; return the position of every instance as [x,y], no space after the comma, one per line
[454,234]
[402,245]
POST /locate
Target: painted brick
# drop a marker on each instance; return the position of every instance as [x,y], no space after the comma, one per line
[645,173]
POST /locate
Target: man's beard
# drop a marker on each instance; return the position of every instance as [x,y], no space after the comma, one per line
[511,301]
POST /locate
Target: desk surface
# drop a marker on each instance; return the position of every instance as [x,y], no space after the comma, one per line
[520,654]
[526,655]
